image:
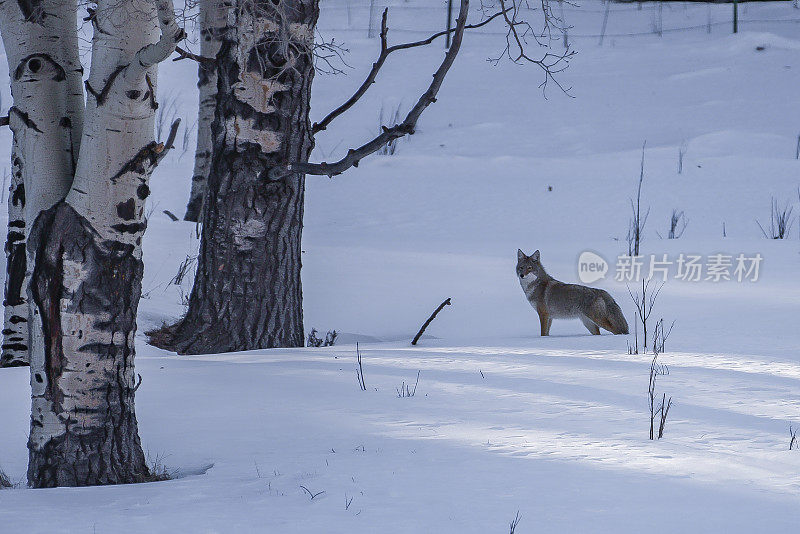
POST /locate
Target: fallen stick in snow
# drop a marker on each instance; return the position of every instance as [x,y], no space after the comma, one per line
[431,318]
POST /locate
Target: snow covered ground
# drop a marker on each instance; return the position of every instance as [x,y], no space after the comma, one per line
[502,420]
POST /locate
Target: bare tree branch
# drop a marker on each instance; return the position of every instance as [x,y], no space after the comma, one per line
[185,54]
[385,51]
[152,54]
[407,127]
[327,53]
[517,40]
[430,319]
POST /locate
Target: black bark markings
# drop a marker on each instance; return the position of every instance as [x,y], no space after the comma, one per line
[127,210]
[13,237]
[24,117]
[138,164]
[46,289]
[18,196]
[102,95]
[15,276]
[32,10]
[129,228]
[143,191]
[108,452]
[151,92]
[33,63]
[149,156]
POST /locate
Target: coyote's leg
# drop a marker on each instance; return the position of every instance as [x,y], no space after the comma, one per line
[590,325]
[545,321]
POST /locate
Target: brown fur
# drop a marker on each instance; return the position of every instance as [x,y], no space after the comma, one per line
[556,300]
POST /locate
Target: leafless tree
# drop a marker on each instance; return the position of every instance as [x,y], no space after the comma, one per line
[263,145]
[85,164]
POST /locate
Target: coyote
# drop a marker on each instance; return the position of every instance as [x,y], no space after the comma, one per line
[556,300]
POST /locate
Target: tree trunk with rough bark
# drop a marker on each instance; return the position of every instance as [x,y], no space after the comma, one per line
[250,248]
[86,281]
[212,23]
[41,43]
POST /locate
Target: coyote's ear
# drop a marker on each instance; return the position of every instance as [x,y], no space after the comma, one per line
[535,256]
[520,254]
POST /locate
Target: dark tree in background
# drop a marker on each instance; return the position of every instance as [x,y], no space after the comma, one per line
[247,292]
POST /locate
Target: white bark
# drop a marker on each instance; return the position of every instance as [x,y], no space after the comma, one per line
[132,38]
[212,23]
[87,279]
[41,44]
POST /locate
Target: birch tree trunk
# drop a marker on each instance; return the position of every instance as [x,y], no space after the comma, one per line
[41,43]
[212,23]
[247,291]
[86,281]
[15,302]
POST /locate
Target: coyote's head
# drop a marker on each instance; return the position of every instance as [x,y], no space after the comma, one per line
[529,265]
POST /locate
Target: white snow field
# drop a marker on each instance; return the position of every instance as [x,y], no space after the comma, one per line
[503,420]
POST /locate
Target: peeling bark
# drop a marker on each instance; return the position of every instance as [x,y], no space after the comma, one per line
[212,23]
[247,292]
[41,43]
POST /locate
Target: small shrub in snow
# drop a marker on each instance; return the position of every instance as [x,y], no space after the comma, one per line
[677,224]
[393,117]
[405,390]
[166,115]
[780,221]
[793,444]
[644,301]
[311,494]
[681,154]
[656,370]
[158,471]
[637,222]
[360,371]
[316,341]
[660,335]
[330,338]
[514,522]
[184,268]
